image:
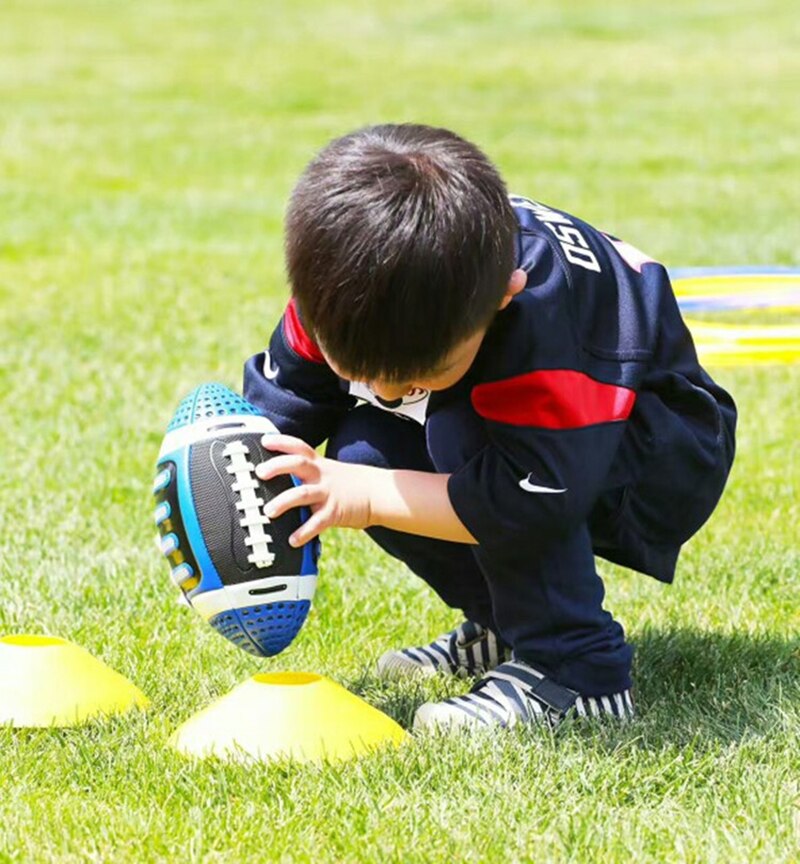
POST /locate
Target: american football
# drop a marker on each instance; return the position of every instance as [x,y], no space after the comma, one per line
[234,566]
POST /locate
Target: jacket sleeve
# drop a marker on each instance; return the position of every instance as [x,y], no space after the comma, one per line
[552,436]
[292,385]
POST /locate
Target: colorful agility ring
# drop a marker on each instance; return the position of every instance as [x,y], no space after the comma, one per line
[723,289]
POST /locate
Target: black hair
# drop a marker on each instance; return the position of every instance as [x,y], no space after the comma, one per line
[400,241]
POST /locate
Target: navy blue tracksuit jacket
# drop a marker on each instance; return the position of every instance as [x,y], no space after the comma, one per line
[585,426]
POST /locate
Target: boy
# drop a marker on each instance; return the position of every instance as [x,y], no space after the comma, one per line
[506,392]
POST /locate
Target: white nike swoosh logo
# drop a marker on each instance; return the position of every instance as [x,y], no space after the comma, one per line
[270,371]
[532,487]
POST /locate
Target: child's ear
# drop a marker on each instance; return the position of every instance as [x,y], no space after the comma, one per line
[516,283]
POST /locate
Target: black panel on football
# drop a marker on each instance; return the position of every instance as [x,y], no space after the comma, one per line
[215,503]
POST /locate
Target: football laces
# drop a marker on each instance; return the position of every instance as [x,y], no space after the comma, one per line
[254,521]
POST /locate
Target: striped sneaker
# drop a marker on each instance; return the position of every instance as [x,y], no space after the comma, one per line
[468,650]
[515,692]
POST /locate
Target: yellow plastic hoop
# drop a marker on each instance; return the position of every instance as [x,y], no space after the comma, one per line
[721,289]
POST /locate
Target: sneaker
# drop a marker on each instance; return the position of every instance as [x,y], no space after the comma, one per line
[515,692]
[468,650]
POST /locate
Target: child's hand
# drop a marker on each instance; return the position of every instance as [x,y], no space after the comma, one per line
[336,493]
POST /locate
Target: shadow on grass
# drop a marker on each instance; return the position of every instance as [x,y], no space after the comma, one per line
[724,686]
[690,685]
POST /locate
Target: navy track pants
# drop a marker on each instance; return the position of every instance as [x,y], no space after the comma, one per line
[549,610]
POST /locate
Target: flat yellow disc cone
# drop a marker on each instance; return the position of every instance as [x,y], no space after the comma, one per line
[306,717]
[46,681]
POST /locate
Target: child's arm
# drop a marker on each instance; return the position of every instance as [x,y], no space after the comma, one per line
[360,496]
[416,502]
[292,385]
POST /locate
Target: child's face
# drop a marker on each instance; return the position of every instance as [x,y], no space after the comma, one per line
[452,368]
[449,371]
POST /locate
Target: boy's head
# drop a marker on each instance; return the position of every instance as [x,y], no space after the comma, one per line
[400,245]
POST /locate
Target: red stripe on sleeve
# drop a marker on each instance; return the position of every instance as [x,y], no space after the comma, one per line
[299,341]
[552,399]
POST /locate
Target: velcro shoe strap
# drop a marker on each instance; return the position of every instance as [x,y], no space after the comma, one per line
[557,697]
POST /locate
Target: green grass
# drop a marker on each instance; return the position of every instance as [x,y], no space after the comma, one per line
[146,153]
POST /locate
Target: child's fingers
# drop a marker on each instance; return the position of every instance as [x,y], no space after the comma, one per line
[297,496]
[295,464]
[287,444]
[313,526]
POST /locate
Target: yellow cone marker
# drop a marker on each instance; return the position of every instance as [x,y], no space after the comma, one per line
[297,714]
[45,681]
